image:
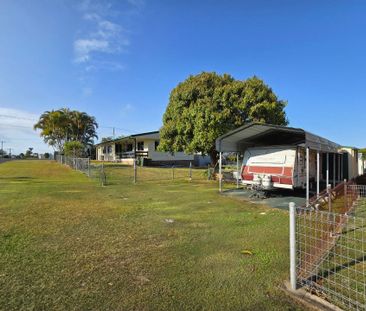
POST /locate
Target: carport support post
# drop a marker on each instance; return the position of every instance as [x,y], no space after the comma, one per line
[339,167]
[292,245]
[334,170]
[317,174]
[237,170]
[307,176]
[220,171]
[327,173]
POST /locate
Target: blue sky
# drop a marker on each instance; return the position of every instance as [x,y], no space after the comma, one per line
[118,60]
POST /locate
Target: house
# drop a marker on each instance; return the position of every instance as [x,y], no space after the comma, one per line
[144,146]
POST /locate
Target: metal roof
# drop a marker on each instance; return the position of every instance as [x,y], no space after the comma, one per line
[257,134]
[147,135]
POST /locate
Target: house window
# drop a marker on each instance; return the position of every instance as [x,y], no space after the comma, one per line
[140,146]
[156,144]
[104,149]
[118,148]
[129,147]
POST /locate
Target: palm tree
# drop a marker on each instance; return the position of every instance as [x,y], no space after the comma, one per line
[63,125]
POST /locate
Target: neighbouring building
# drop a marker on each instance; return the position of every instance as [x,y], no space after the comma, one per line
[351,164]
[361,163]
[144,146]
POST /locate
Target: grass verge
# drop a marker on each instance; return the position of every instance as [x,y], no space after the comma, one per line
[68,244]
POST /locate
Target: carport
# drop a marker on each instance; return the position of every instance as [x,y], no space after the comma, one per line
[257,134]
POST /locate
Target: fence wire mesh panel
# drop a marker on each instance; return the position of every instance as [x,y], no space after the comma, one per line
[79,164]
[330,252]
[356,199]
[119,174]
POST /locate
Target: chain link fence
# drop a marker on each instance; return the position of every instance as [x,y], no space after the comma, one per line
[327,243]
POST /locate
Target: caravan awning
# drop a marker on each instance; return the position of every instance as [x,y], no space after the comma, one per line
[257,134]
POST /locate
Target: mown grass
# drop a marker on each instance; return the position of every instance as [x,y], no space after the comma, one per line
[66,243]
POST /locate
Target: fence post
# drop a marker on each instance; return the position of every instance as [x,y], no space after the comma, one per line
[190,171]
[88,167]
[345,195]
[292,209]
[237,170]
[329,191]
[102,174]
[220,173]
[173,172]
[208,172]
[134,171]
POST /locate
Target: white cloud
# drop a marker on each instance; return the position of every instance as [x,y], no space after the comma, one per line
[16,129]
[84,47]
[137,3]
[87,91]
[126,109]
[104,35]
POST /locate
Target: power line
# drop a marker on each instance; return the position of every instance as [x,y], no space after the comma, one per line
[15,117]
[32,119]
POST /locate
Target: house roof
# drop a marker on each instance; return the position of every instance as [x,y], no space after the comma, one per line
[257,134]
[152,135]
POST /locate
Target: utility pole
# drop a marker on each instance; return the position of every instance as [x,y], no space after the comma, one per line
[2,148]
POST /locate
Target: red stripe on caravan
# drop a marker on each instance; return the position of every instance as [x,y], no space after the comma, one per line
[284,171]
[283,175]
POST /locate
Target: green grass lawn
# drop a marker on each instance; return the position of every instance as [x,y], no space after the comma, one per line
[66,243]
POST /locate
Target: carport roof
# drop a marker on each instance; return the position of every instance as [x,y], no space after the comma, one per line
[257,134]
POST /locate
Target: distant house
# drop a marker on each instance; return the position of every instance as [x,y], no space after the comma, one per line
[144,146]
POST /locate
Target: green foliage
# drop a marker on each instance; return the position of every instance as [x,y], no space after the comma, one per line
[363,152]
[207,105]
[63,125]
[29,152]
[74,148]
[108,138]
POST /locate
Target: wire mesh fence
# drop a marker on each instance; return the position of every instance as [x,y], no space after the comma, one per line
[79,164]
[109,173]
[330,249]
[120,174]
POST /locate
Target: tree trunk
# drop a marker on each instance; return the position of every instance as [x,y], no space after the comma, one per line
[214,157]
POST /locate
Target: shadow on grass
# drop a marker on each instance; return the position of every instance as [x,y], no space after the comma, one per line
[323,275]
[18,178]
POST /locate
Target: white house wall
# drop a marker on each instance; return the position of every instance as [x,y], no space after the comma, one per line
[149,147]
[352,162]
[167,156]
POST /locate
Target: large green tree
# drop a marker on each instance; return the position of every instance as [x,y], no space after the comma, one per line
[207,105]
[64,125]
